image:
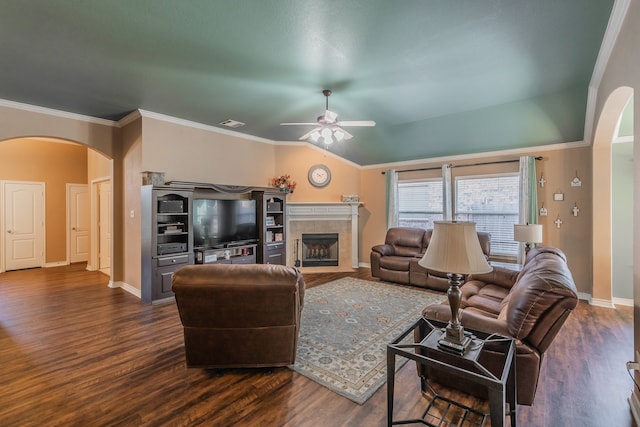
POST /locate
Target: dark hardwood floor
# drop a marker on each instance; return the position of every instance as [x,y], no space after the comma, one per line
[75,352]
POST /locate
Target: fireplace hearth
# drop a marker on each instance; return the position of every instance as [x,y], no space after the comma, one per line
[320,249]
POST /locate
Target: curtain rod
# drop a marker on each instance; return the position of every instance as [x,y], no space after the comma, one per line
[464,166]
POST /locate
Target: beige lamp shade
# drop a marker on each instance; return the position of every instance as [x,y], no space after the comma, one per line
[455,248]
[527,233]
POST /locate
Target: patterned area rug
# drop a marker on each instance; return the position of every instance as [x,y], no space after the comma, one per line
[345,327]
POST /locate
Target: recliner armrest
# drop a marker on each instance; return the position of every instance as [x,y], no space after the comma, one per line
[383,250]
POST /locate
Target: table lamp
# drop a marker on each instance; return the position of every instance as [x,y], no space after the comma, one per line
[527,234]
[455,249]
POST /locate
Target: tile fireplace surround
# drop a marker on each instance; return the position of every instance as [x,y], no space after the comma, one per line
[324,217]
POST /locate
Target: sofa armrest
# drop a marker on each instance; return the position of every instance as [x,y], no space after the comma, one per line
[383,250]
[498,276]
[469,318]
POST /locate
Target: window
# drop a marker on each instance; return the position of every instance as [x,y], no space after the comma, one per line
[492,202]
[419,203]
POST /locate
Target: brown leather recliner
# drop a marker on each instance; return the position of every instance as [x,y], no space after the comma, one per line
[397,259]
[530,306]
[239,315]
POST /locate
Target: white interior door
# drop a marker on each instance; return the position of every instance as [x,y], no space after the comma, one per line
[24,224]
[104,225]
[78,211]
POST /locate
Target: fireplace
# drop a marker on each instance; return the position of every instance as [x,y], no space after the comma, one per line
[324,218]
[319,249]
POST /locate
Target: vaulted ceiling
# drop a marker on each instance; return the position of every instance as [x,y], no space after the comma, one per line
[439,77]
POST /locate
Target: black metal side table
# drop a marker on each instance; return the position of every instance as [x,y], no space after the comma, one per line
[500,382]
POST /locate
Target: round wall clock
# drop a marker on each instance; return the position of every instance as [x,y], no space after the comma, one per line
[319,176]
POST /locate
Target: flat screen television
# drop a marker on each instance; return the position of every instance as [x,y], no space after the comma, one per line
[218,222]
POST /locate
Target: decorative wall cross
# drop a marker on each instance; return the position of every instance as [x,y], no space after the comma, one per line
[575,209]
[542,181]
[558,222]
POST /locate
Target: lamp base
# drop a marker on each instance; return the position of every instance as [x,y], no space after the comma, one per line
[455,345]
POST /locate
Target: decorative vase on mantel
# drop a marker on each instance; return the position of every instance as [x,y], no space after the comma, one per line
[284,184]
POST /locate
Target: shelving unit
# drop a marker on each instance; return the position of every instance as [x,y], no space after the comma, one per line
[271,226]
[244,254]
[167,243]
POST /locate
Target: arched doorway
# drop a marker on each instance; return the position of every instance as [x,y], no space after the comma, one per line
[57,163]
[605,132]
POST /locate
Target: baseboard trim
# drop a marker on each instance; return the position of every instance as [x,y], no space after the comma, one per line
[55,264]
[364,265]
[598,302]
[584,296]
[127,287]
[623,301]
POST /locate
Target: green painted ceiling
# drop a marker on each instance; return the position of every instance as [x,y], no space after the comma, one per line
[440,77]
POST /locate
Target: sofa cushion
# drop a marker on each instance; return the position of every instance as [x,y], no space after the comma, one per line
[406,241]
[486,297]
[398,263]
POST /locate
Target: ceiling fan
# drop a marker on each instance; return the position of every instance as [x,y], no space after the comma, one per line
[328,127]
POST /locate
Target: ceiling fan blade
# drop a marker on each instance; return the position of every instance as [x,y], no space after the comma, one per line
[298,124]
[356,123]
[346,136]
[308,134]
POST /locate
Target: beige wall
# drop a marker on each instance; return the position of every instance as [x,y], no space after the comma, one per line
[55,164]
[127,202]
[296,160]
[201,155]
[558,167]
[21,122]
[98,166]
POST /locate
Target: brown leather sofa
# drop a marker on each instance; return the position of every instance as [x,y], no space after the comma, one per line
[530,306]
[397,259]
[239,315]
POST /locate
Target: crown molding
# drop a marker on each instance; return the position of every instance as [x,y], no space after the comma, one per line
[201,126]
[474,156]
[129,118]
[56,113]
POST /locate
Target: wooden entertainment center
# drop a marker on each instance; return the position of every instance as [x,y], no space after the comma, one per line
[171,236]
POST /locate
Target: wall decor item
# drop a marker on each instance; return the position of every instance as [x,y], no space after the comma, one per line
[319,176]
[350,198]
[558,197]
[542,181]
[284,183]
[543,211]
[575,209]
[558,222]
[575,182]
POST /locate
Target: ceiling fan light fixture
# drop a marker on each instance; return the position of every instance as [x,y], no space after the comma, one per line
[330,116]
[328,127]
[327,135]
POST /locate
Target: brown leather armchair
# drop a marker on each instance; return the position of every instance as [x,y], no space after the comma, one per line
[397,259]
[530,306]
[239,315]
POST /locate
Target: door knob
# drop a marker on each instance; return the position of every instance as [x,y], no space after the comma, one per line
[73,228]
[10,231]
